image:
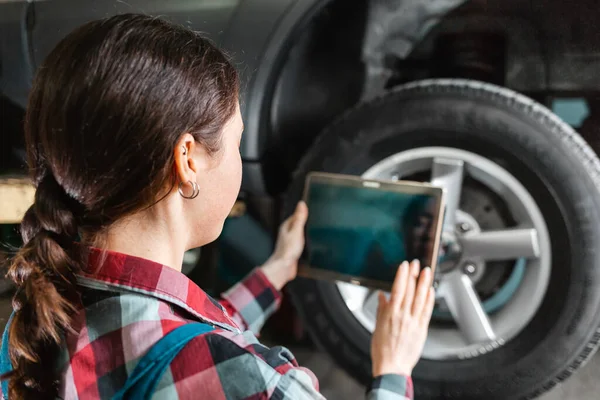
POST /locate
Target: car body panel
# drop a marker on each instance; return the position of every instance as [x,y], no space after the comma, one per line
[251,31]
[53,22]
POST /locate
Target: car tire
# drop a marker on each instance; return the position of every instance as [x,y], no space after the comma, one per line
[562,175]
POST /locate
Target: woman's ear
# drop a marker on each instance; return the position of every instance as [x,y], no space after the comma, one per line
[191,159]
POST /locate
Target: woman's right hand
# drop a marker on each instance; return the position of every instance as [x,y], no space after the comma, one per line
[402,321]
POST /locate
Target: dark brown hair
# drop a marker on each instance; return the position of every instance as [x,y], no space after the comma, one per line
[105,112]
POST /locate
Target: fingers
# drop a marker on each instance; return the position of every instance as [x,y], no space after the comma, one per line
[382,303]
[422,291]
[410,287]
[300,216]
[399,286]
[415,268]
[429,304]
[297,220]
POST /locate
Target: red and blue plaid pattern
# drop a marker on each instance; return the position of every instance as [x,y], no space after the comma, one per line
[130,303]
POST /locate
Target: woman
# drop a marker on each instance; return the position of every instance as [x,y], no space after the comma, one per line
[132,129]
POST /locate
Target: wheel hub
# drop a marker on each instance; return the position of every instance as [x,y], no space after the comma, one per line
[451,255]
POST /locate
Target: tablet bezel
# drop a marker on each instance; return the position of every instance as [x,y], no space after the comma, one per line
[409,187]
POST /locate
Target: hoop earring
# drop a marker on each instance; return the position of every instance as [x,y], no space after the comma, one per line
[195,190]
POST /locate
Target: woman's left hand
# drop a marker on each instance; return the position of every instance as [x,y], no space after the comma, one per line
[282,266]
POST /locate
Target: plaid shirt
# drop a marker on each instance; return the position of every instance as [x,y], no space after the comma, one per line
[129,303]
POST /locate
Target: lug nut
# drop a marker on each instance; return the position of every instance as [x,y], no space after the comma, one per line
[470,269]
[464,227]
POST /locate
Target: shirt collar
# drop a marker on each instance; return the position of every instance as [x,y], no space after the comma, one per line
[121,272]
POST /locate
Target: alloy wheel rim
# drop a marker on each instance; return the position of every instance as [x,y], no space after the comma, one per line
[473,332]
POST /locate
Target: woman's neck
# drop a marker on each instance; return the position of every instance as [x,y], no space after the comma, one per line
[147,235]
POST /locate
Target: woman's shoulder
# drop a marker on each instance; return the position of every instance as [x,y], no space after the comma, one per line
[109,322]
[133,315]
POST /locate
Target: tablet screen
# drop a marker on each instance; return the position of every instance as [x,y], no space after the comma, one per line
[367,232]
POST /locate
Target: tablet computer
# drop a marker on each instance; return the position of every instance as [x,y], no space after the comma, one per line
[360,230]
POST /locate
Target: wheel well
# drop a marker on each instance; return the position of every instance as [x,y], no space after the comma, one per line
[322,76]
[325,73]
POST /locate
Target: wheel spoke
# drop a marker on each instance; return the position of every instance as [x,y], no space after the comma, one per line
[507,244]
[466,308]
[448,173]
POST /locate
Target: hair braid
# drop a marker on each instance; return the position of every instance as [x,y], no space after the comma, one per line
[44,272]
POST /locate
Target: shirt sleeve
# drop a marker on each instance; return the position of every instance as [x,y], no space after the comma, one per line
[391,387]
[252,301]
[236,366]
